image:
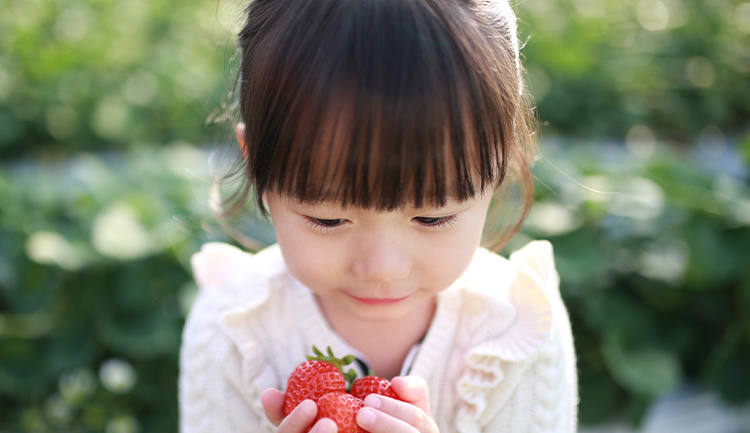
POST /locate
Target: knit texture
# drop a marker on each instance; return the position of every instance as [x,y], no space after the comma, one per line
[498,356]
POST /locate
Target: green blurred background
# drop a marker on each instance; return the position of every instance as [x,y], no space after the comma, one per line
[109,114]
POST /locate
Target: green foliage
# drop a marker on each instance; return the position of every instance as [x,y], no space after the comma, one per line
[654,259]
[89,74]
[95,286]
[598,67]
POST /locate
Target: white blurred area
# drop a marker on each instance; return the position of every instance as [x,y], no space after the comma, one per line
[687,410]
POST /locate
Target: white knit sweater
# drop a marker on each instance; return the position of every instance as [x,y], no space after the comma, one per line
[498,356]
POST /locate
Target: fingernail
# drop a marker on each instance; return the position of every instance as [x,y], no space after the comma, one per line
[372,401]
[365,417]
[329,425]
[411,382]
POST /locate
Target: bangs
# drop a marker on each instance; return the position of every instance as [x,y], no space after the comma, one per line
[368,151]
[374,104]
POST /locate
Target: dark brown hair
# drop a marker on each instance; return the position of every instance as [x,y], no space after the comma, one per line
[383,103]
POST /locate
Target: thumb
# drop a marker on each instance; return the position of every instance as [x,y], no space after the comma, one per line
[273,404]
[412,389]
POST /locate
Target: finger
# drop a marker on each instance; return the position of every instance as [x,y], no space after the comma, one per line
[387,415]
[412,389]
[273,404]
[300,418]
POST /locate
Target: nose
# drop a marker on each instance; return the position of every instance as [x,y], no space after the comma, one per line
[382,260]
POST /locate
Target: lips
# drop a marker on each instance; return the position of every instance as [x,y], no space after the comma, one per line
[378,301]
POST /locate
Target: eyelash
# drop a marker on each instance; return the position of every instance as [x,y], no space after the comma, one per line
[328,225]
[437,222]
[324,225]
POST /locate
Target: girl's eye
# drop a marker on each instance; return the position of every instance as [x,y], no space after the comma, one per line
[437,222]
[325,224]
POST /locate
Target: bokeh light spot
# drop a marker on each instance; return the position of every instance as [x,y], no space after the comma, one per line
[642,200]
[57,410]
[712,142]
[118,233]
[182,158]
[665,263]
[123,424]
[130,17]
[77,385]
[653,15]
[589,8]
[110,118]
[700,71]
[552,219]
[117,375]
[140,89]
[72,24]
[61,121]
[51,248]
[742,17]
[640,141]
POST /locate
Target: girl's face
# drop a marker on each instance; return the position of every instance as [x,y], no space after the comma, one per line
[372,265]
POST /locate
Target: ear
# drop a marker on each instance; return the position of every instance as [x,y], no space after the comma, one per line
[239,133]
[265,204]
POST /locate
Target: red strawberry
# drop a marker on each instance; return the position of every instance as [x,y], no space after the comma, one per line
[342,408]
[311,380]
[372,385]
[314,378]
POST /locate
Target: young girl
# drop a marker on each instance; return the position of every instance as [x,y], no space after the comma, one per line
[375,134]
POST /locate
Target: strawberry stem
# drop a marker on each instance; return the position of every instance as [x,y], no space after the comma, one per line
[350,376]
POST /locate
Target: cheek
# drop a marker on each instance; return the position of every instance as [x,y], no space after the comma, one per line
[451,256]
[308,258]
[459,249]
[303,267]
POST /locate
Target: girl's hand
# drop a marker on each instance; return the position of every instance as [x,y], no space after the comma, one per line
[386,415]
[299,419]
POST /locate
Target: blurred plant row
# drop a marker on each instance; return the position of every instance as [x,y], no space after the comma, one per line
[102,74]
[104,198]
[93,74]
[654,258]
[94,288]
[677,67]
[95,281]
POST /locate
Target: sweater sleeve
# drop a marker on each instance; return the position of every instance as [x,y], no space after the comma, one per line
[214,395]
[209,400]
[546,398]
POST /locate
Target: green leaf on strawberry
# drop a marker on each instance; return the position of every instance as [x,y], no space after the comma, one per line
[319,375]
[339,363]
